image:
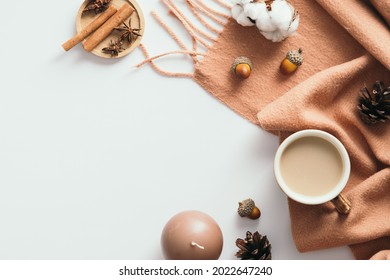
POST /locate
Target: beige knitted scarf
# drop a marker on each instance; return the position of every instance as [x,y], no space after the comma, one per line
[346,46]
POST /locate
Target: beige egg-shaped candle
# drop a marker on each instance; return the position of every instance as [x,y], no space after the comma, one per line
[191,235]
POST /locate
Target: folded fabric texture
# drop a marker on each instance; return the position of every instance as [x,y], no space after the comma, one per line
[346,45]
[383,7]
[329,102]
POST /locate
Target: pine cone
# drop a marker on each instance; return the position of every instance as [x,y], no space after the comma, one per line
[374,107]
[254,247]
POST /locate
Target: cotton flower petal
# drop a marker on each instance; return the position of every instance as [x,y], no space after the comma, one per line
[252,10]
[281,15]
[244,20]
[275,24]
[293,26]
[239,15]
[241,2]
[236,11]
[264,21]
[267,35]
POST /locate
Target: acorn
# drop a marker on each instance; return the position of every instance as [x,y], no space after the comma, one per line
[247,208]
[242,67]
[291,62]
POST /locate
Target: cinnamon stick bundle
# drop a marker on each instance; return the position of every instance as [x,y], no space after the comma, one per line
[95,24]
[123,13]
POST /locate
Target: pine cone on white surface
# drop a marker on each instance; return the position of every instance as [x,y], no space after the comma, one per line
[275,19]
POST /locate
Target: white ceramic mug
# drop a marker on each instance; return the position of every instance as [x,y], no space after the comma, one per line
[300,165]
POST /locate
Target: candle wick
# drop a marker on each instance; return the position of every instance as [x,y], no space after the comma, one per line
[197,245]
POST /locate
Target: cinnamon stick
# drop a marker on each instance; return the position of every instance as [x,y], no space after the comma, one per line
[95,24]
[123,13]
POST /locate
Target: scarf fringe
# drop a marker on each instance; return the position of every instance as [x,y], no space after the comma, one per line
[204,37]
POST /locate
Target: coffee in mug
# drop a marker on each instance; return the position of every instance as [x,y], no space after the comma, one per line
[312,167]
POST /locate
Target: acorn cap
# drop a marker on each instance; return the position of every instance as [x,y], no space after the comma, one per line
[241,60]
[245,207]
[295,56]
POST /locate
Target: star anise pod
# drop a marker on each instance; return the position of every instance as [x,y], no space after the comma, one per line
[128,33]
[97,6]
[114,48]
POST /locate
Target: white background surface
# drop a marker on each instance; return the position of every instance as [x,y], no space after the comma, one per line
[95,157]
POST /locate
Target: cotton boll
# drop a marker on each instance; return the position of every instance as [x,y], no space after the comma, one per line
[236,11]
[241,2]
[264,20]
[281,15]
[275,36]
[281,10]
[244,20]
[253,10]
[268,35]
[284,20]
[293,27]
[276,20]
[239,15]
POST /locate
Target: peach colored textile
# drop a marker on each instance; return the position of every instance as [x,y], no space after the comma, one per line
[346,45]
[383,8]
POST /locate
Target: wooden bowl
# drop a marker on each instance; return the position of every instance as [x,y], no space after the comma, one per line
[137,21]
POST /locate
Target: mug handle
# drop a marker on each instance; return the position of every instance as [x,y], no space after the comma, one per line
[342,204]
